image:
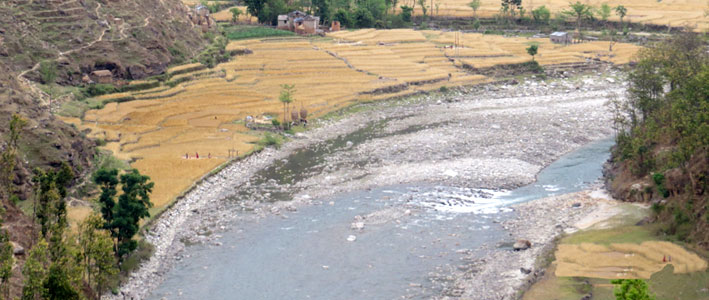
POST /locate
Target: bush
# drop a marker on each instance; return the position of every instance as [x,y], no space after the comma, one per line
[541,15]
[406,13]
[270,139]
[99,89]
[345,18]
[364,18]
[443,89]
[659,180]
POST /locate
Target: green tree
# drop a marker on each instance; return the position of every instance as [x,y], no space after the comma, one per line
[6,262]
[235,13]
[604,12]
[621,11]
[96,250]
[132,207]
[406,12]
[580,12]
[532,50]
[35,271]
[345,18]
[50,209]
[8,157]
[475,5]
[58,286]
[541,15]
[286,97]
[322,8]
[255,8]
[48,73]
[631,289]
[107,180]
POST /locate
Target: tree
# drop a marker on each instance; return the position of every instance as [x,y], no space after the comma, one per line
[580,12]
[8,157]
[51,190]
[631,289]
[621,11]
[345,18]
[57,285]
[475,4]
[286,97]
[132,207]
[6,262]
[532,50]
[35,271]
[48,73]
[509,7]
[107,180]
[541,15]
[424,9]
[235,13]
[604,12]
[322,9]
[406,13]
[255,8]
[96,250]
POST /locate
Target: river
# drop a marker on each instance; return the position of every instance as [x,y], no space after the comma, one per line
[414,235]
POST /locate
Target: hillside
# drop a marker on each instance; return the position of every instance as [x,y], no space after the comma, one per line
[662,152]
[131,38]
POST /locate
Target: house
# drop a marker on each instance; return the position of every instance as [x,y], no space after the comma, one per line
[101,76]
[283,22]
[298,22]
[560,37]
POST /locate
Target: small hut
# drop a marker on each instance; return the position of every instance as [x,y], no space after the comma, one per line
[560,37]
[101,76]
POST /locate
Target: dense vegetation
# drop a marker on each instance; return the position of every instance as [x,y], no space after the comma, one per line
[663,136]
[63,264]
[357,14]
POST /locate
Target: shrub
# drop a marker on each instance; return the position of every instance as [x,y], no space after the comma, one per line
[99,89]
[364,18]
[345,18]
[443,89]
[270,139]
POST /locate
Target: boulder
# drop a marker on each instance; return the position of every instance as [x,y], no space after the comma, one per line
[521,245]
[17,249]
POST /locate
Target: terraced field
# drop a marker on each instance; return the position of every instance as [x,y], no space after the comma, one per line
[666,12]
[204,114]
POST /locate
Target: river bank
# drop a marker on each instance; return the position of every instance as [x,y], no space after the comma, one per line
[493,137]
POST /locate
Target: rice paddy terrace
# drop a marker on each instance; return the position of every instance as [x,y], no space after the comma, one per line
[203,112]
[675,13]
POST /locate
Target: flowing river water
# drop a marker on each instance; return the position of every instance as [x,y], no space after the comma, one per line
[415,234]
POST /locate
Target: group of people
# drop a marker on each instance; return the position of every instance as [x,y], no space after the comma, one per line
[196,155]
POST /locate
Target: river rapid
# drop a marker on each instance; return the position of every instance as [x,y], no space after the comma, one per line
[407,199]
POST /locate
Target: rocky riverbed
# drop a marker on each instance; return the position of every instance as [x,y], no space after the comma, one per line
[496,136]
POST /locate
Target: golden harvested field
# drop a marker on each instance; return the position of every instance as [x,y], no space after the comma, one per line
[666,12]
[203,116]
[624,260]
[225,15]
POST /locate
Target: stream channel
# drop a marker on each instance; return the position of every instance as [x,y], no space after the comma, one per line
[414,234]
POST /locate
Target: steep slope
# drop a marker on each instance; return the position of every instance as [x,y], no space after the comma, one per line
[662,154]
[131,38]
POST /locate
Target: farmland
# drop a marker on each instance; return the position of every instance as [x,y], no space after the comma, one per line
[677,13]
[163,130]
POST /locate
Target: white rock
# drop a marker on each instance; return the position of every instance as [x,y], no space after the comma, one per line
[351,238]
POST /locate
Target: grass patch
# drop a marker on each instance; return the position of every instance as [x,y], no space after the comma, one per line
[623,234]
[241,32]
[105,160]
[270,139]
